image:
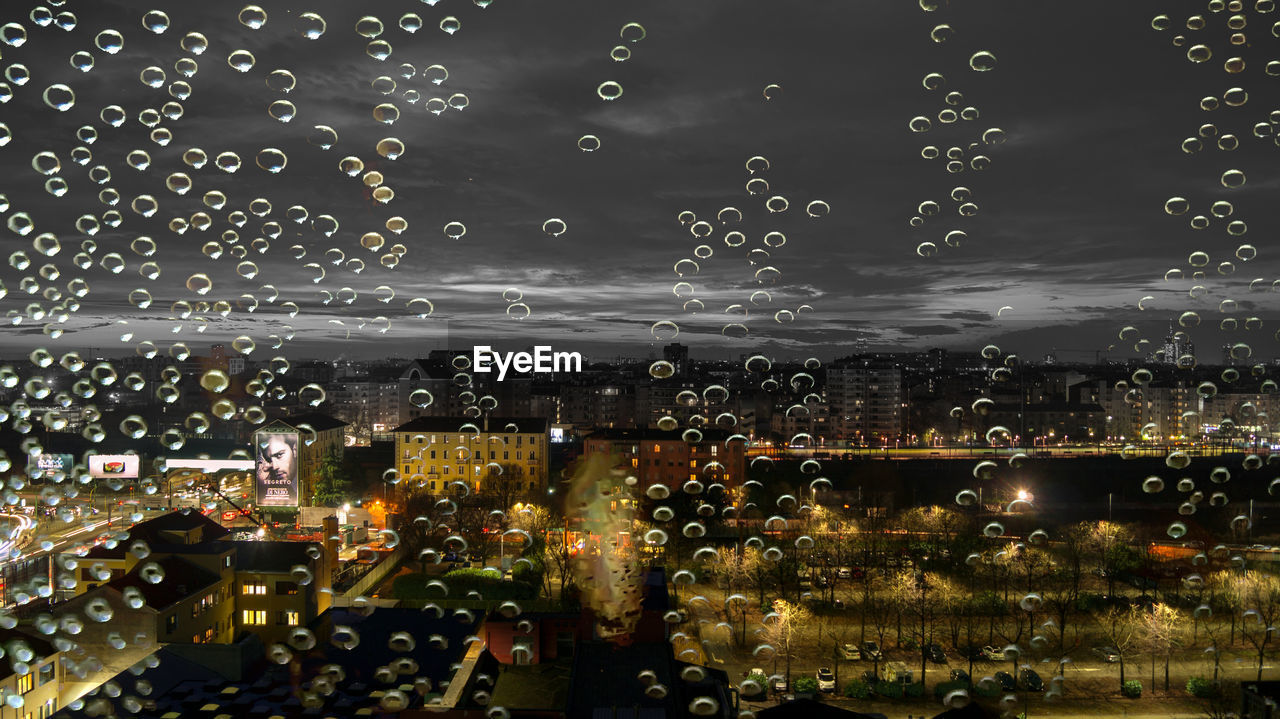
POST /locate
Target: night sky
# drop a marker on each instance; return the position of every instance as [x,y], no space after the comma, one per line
[1070,230]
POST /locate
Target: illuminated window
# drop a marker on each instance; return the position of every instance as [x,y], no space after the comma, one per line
[26,683]
[288,617]
[255,617]
[253,588]
[657,448]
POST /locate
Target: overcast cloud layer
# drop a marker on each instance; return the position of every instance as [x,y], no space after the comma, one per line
[1069,234]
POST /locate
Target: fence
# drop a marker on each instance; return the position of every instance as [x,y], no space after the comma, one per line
[372,578]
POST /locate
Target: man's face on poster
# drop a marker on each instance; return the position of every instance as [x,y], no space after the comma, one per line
[277,459]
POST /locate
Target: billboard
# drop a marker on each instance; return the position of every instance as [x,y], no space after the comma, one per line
[211,465]
[276,475]
[47,465]
[113,466]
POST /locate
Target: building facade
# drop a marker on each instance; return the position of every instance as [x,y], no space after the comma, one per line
[486,454]
[656,456]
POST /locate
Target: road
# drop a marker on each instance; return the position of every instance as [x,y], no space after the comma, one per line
[15,532]
[1055,451]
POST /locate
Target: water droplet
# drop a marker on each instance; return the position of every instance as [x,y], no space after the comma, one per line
[982,61]
[253,17]
[609,90]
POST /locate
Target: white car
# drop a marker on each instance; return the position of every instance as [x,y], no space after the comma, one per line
[826,680]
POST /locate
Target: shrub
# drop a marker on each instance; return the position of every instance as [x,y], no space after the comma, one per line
[1202,688]
[944,688]
[1090,602]
[1132,689]
[892,690]
[459,582]
[913,691]
[857,689]
[806,685]
[910,644]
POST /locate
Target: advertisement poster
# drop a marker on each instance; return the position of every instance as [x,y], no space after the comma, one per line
[47,465]
[113,466]
[276,473]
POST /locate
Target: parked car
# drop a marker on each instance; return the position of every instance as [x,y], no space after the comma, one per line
[850,652]
[779,684]
[757,671]
[845,573]
[990,653]
[826,680]
[935,654]
[959,675]
[1030,680]
[871,651]
[1006,681]
[1107,654]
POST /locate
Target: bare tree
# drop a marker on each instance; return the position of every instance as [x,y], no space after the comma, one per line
[782,629]
[1122,630]
[921,596]
[1108,542]
[1162,634]
[1259,594]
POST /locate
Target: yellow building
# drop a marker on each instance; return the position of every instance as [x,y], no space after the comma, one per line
[490,454]
[278,586]
[210,589]
[39,686]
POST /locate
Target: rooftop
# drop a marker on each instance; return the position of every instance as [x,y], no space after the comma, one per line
[655,434]
[183,531]
[319,421]
[180,579]
[279,557]
[524,425]
[40,647]
[537,687]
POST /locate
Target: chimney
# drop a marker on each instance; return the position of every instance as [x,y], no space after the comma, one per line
[332,540]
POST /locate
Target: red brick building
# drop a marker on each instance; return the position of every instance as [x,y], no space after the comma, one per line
[657,456]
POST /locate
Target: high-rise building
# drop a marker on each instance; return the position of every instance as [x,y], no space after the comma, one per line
[1177,344]
[678,355]
[867,401]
